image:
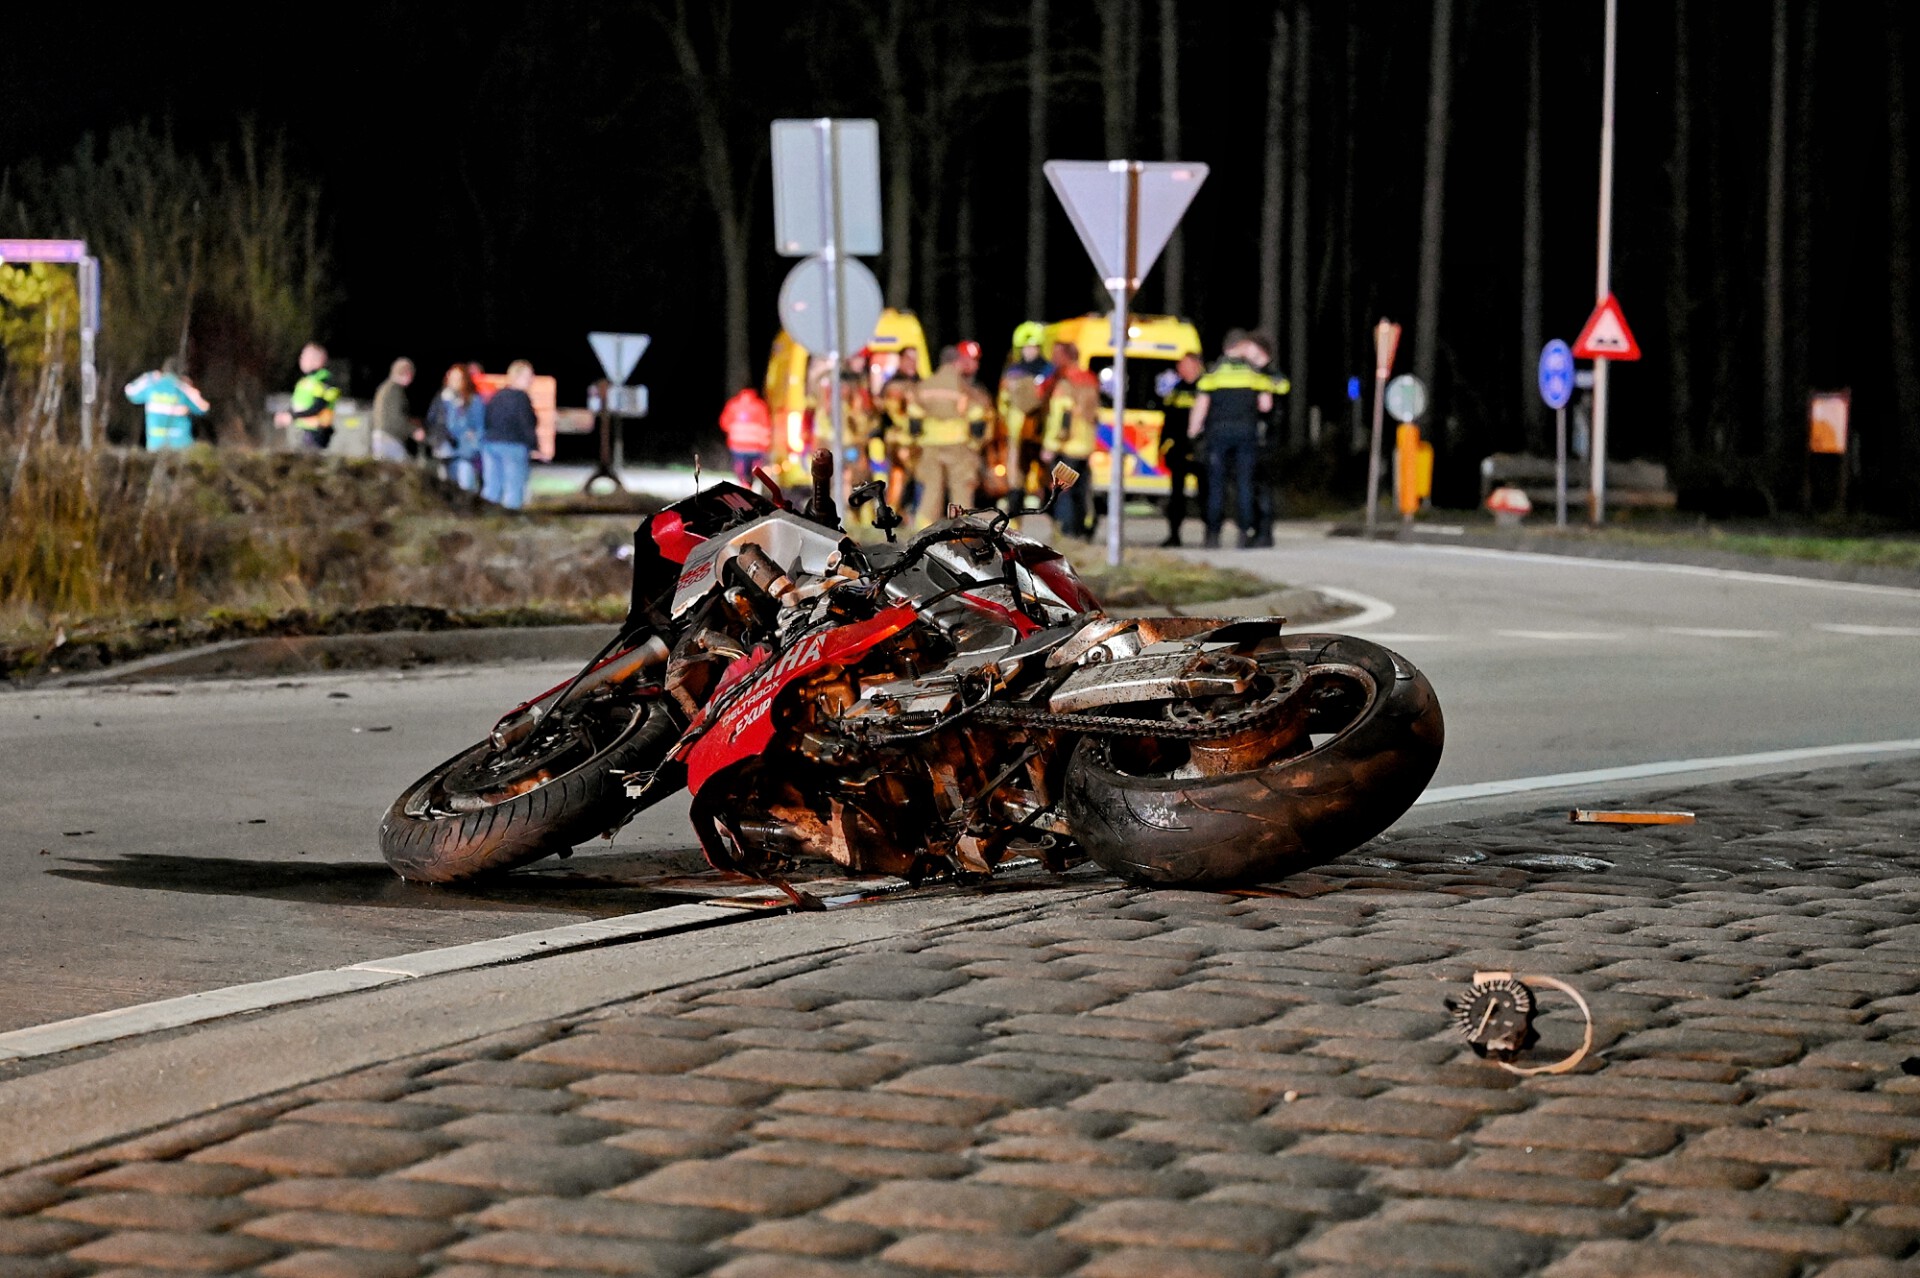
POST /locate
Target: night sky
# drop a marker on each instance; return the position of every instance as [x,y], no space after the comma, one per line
[496,186]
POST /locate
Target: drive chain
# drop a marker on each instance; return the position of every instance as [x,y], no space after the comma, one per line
[1261,713]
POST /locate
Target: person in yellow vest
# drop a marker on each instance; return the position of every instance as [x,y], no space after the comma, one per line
[947,416]
[1019,408]
[903,455]
[1071,399]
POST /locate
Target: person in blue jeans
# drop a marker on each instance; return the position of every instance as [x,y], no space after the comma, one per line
[1229,401]
[457,426]
[512,433]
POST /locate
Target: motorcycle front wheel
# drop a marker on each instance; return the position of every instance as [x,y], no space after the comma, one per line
[1376,734]
[487,811]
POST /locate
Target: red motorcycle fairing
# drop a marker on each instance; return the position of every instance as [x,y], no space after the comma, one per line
[670,534]
[745,728]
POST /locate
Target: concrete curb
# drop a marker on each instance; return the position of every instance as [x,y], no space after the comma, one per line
[314,654]
[311,654]
[1541,543]
[243,1058]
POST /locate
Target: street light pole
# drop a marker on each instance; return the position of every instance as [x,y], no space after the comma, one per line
[1597,447]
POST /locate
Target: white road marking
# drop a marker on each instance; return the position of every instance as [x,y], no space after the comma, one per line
[191,1009]
[1684,570]
[1705,632]
[1372,611]
[1560,636]
[232,1000]
[1899,632]
[1668,767]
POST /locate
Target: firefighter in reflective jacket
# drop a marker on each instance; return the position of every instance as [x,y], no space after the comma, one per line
[947,416]
[1071,400]
[172,402]
[1229,401]
[1020,408]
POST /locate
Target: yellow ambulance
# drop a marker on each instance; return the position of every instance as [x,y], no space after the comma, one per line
[792,372]
[1155,344]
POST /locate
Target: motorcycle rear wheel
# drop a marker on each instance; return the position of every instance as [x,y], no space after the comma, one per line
[445,828]
[1377,747]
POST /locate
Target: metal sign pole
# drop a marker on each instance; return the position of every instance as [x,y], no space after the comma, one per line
[1373,453]
[1560,467]
[836,297]
[1597,483]
[89,328]
[1122,292]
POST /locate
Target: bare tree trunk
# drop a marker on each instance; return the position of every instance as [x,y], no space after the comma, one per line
[1173,271]
[1433,197]
[1533,433]
[963,312]
[1900,293]
[1298,270]
[1773,385]
[1679,278]
[1119,73]
[885,39]
[708,89]
[1724,316]
[927,224]
[1799,371]
[1349,331]
[1037,95]
[1273,189]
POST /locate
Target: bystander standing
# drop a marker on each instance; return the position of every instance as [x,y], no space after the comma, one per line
[511,435]
[392,426]
[457,427]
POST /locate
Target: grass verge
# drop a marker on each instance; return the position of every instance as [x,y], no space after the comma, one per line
[1153,578]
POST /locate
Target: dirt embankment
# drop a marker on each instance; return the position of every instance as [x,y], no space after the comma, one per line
[110,555]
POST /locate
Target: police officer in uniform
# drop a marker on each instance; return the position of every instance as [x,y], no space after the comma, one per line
[1229,401]
[314,396]
[1178,449]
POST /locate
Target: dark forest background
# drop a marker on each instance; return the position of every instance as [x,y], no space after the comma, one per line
[494,183]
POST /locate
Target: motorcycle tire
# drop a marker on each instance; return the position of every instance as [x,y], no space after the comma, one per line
[428,844]
[1248,827]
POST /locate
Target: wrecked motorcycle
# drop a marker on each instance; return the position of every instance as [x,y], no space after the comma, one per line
[933,706]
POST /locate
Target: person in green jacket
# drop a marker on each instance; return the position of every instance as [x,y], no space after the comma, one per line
[172,402]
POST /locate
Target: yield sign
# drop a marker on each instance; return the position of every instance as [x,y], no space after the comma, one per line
[619,352]
[1606,335]
[1096,197]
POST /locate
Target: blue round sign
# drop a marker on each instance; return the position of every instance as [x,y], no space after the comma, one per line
[1556,374]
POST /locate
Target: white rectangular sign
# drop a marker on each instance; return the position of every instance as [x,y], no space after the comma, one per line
[800,186]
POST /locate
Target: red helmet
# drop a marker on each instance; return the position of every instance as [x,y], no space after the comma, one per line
[970,350]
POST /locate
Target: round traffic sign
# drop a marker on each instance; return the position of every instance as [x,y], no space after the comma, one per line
[803,304]
[1556,374]
[1406,398]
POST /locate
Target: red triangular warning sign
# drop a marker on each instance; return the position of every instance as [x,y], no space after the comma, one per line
[1606,335]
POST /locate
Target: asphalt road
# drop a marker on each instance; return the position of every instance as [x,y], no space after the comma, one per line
[165,839]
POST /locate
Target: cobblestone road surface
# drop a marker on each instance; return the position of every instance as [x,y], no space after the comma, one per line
[1153,1084]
